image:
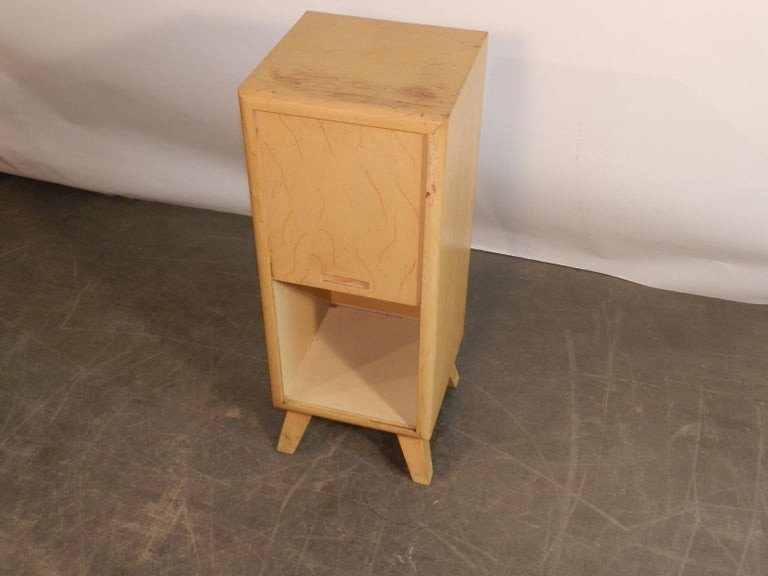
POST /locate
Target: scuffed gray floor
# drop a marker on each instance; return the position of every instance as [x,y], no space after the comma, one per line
[599,427]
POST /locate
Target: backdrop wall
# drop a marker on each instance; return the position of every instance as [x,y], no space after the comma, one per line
[628,138]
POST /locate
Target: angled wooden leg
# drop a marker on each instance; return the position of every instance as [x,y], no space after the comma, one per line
[294,426]
[418,457]
[453,380]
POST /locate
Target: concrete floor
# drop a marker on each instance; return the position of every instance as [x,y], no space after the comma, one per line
[599,428]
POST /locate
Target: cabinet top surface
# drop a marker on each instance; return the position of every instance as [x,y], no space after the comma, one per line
[338,61]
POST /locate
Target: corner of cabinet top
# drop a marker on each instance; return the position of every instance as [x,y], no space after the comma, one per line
[360,70]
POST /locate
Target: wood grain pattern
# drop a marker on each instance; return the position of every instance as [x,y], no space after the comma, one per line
[365,71]
[342,205]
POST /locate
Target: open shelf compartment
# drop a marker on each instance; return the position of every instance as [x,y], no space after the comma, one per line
[349,358]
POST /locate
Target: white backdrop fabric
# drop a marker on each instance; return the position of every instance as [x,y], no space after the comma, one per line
[628,138]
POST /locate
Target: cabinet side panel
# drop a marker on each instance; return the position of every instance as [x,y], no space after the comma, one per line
[299,311]
[342,205]
[429,337]
[256,186]
[451,228]
[458,207]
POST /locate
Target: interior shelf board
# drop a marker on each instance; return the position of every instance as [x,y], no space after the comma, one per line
[361,362]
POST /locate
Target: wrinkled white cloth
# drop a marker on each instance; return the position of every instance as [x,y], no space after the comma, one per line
[629,140]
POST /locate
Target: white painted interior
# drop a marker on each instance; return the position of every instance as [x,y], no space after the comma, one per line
[629,138]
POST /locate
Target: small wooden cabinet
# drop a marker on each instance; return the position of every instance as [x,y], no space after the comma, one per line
[361,141]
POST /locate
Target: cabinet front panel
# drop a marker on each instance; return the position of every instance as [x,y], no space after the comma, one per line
[342,205]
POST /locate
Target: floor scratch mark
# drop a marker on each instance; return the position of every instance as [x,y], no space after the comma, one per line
[76,302]
[757,493]
[612,337]
[543,476]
